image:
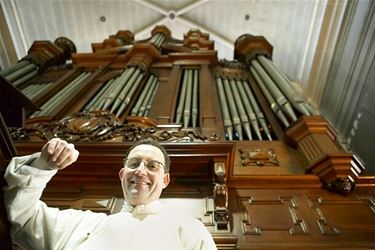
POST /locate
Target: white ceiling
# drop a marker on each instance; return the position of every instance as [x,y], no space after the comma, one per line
[291,26]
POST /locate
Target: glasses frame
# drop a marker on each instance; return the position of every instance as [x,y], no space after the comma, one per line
[160,165]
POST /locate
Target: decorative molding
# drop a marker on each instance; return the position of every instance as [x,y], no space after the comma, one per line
[98,126]
[338,172]
[256,157]
[297,225]
[220,192]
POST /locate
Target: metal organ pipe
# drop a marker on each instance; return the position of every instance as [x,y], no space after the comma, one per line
[187,106]
[274,106]
[284,85]
[233,110]
[154,87]
[158,39]
[249,109]
[182,97]
[146,104]
[118,97]
[14,68]
[224,109]
[257,110]
[241,110]
[25,78]
[129,95]
[274,90]
[143,95]
[20,72]
[58,98]
[120,87]
[194,109]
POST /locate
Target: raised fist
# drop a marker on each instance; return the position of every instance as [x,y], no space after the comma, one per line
[56,154]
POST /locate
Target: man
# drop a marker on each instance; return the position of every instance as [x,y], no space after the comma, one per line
[143,223]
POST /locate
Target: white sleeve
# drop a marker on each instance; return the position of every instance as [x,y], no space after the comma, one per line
[34,225]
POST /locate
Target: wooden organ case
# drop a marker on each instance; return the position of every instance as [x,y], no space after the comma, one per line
[250,158]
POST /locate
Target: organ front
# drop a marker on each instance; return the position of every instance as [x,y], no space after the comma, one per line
[250,157]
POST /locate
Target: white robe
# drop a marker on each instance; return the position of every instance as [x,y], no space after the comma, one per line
[36,226]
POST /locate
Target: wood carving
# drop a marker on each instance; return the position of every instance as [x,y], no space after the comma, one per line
[97,126]
[258,158]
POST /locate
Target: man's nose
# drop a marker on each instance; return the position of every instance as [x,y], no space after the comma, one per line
[141,169]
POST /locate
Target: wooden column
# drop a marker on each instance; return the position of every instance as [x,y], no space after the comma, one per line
[315,140]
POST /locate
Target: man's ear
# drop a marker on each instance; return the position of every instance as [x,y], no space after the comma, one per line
[166,180]
[121,173]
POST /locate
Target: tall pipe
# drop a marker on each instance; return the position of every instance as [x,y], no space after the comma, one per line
[283,84]
[94,101]
[64,93]
[120,87]
[14,68]
[149,100]
[25,78]
[274,90]
[143,108]
[249,109]
[194,110]
[20,72]
[55,100]
[257,110]
[233,110]
[181,101]
[274,106]
[187,106]
[141,98]
[240,107]
[224,109]
[129,95]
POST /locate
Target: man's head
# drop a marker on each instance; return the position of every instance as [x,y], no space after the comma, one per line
[145,173]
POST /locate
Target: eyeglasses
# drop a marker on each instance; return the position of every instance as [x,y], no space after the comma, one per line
[152,166]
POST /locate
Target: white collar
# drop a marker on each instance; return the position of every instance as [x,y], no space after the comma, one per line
[153,207]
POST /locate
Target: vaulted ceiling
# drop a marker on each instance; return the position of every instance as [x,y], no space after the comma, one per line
[291,26]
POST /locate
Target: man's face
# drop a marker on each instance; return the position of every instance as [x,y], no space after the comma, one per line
[141,186]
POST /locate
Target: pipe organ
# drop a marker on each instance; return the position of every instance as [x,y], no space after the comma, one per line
[258,165]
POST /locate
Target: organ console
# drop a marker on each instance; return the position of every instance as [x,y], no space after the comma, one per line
[250,157]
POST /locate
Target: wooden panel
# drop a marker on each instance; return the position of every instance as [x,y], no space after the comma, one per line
[302,219]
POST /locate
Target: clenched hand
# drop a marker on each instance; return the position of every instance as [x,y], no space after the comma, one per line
[56,154]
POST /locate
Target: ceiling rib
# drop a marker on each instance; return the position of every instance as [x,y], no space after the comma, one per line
[191,7]
[152,7]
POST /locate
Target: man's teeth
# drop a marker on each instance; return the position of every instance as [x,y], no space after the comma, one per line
[139,182]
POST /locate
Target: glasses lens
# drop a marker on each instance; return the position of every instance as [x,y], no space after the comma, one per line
[133,163]
[152,166]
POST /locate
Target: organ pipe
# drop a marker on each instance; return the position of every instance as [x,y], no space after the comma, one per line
[194,109]
[182,96]
[233,110]
[274,106]
[143,95]
[241,109]
[25,78]
[129,95]
[58,98]
[274,90]
[224,109]
[284,85]
[152,94]
[187,106]
[249,109]
[257,110]
[14,68]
